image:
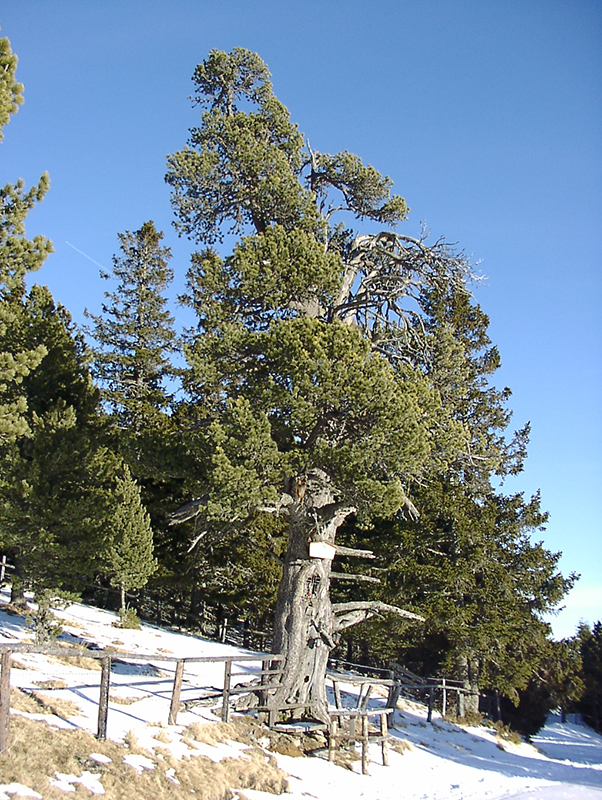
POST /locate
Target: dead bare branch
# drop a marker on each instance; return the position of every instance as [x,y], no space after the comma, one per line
[188,511]
[348,614]
[353,552]
[348,576]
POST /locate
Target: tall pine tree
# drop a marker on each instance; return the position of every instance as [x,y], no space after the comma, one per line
[135,335]
[306,399]
[18,256]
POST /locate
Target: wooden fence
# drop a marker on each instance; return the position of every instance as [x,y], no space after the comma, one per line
[268,677]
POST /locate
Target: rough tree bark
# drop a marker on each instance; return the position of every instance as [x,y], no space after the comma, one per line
[304,624]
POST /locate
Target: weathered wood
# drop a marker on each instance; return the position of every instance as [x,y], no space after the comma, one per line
[352,576]
[118,655]
[384,732]
[351,551]
[5,662]
[175,695]
[429,717]
[303,619]
[348,614]
[365,753]
[332,737]
[103,701]
[337,695]
[338,734]
[226,694]
[362,702]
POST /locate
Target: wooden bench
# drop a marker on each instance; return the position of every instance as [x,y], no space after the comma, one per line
[337,734]
[366,684]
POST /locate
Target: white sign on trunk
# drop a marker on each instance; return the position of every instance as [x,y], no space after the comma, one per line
[321,550]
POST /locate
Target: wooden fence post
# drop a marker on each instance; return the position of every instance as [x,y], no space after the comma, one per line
[175,695]
[103,702]
[444,702]
[431,703]
[460,703]
[365,753]
[5,700]
[265,679]
[226,694]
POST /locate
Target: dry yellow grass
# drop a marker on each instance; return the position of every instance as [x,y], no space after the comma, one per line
[57,684]
[37,703]
[83,662]
[16,664]
[126,701]
[401,746]
[246,730]
[37,752]
[71,623]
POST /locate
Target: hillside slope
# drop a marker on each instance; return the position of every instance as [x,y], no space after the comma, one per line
[55,710]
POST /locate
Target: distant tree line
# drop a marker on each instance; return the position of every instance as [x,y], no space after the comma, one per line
[335,389]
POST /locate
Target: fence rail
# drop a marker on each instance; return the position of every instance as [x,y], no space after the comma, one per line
[106,657]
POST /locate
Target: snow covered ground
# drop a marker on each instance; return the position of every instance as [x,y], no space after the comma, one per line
[437,761]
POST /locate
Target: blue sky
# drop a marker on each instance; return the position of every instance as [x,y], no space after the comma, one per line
[486,115]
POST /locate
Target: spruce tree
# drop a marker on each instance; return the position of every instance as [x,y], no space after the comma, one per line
[128,554]
[55,476]
[135,334]
[133,342]
[591,654]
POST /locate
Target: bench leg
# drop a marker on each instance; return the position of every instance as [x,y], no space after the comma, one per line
[332,738]
[365,753]
[352,734]
[384,732]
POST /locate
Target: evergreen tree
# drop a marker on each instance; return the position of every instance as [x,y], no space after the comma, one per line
[128,556]
[55,476]
[134,339]
[306,397]
[468,563]
[591,655]
[18,256]
[135,334]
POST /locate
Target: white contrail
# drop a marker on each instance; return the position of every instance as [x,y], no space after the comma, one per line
[84,255]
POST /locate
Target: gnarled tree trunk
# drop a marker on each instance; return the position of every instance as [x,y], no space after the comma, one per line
[304,622]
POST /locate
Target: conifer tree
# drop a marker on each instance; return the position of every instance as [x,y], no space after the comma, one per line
[469,564]
[55,476]
[18,256]
[128,554]
[134,339]
[306,396]
[135,334]
[591,654]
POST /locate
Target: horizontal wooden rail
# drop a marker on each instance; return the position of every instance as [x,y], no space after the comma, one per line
[107,657]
